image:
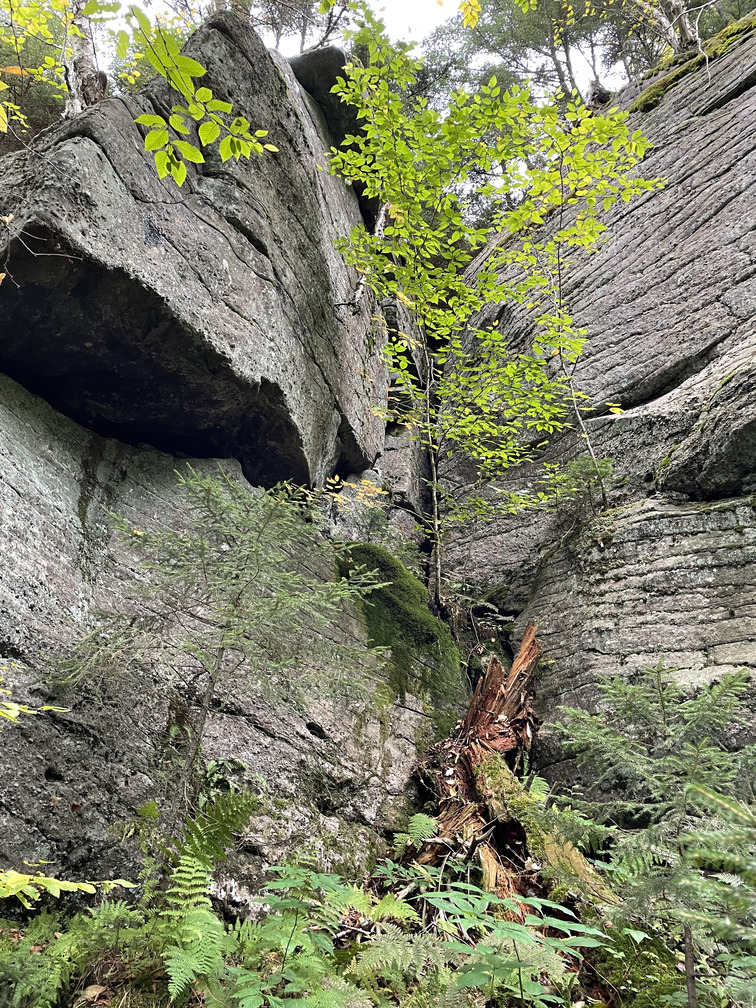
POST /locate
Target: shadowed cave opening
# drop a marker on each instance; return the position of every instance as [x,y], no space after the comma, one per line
[107,353]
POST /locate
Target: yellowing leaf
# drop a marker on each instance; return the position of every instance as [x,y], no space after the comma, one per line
[470,11]
[19,71]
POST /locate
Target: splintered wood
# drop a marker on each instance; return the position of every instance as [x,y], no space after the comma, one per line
[500,722]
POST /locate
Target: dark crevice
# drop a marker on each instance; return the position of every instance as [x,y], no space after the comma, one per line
[720,100]
[108,353]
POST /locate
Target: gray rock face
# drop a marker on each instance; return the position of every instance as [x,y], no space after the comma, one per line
[335,770]
[212,320]
[669,304]
[148,328]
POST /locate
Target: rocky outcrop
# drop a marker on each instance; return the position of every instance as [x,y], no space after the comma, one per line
[147,328]
[216,319]
[336,770]
[669,305]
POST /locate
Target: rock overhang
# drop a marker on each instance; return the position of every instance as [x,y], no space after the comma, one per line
[214,319]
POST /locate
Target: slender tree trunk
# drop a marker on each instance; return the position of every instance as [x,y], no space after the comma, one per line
[686,30]
[557,63]
[690,967]
[86,83]
[662,23]
[436,533]
[568,61]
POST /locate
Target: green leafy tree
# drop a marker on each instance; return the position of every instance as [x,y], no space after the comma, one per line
[553,44]
[459,386]
[66,30]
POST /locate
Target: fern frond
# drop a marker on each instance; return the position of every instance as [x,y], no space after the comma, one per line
[208,834]
[190,881]
[389,951]
[393,951]
[452,996]
[401,843]
[422,827]
[539,788]
[351,896]
[200,941]
[391,908]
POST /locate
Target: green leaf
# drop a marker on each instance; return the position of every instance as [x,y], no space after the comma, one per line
[156,139]
[178,171]
[162,163]
[150,120]
[203,94]
[178,123]
[209,132]
[190,68]
[637,936]
[189,151]
[225,149]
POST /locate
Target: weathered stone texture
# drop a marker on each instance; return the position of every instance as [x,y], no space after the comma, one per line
[335,769]
[215,319]
[669,305]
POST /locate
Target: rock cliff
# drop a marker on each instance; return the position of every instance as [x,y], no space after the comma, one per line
[146,328]
[668,303]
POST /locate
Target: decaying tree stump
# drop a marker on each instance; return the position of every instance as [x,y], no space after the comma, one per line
[485,812]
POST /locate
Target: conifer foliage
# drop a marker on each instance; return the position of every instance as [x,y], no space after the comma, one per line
[668,777]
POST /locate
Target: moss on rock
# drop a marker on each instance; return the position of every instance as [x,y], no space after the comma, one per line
[641,974]
[685,63]
[424,659]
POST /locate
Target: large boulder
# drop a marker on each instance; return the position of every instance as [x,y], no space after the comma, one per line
[146,328]
[216,319]
[337,770]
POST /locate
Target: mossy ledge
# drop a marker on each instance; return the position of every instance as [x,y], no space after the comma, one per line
[424,658]
[685,64]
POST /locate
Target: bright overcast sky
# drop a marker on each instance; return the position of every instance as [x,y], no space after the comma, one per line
[413,19]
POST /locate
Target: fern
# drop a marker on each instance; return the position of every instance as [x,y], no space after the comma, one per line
[201,943]
[393,950]
[539,788]
[391,908]
[353,897]
[420,827]
[210,832]
[190,881]
[196,940]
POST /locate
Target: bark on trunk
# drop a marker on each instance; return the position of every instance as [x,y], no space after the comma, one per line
[485,811]
[690,967]
[661,22]
[86,83]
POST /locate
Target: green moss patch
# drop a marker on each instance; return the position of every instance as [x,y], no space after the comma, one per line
[685,64]
[424,659]
[642,975]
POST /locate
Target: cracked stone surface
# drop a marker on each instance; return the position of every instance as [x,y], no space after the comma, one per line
[210,320]
[335,769]
[669,305]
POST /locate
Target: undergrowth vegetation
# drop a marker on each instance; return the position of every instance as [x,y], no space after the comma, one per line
[410,935]
[676,847]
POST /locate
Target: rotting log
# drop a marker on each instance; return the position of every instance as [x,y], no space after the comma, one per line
[485,812]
